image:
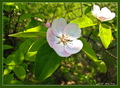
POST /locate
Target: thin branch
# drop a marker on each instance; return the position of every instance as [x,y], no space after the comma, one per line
[102,48]
[110,54]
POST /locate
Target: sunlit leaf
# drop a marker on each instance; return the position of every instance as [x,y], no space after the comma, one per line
[8,69]
[105,35]
[10,60]
[25,45]
[32,51]
[83,22]
[9,4]
[46,62]
[19,57]
[38,31]
[29,34]
[20,72]
[15,59]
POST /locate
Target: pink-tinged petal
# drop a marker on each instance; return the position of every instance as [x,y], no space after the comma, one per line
[105,12]
[72,30]
[51,38]
[102,18]
[60,50]
[96,10]
[58,26]
[74,47]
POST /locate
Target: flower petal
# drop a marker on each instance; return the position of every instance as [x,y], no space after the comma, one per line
[60,50]
[51,38]
[105,12]
[96,10]
[73,30]
[58,26]
[74,46]
[111,16]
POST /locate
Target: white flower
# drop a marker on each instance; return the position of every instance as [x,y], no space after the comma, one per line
[62,37]
[104,14]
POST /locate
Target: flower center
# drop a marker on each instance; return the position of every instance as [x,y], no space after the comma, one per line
[64,39]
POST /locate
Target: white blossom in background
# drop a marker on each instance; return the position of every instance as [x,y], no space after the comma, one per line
[62,37]
[104,14]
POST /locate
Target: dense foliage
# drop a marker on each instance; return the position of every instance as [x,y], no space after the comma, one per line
[29,60]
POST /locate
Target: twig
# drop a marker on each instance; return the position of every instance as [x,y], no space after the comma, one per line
[102,48]
[110,54]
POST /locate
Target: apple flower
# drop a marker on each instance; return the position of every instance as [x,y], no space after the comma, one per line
[62,37]
[104,14]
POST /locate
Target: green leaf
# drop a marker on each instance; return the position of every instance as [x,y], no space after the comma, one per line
[88,9]
[32,51]
[20,72]
[25,45]
[3,39]
[21,6]
[83,22]
[9,4]
[7,47]
[105,35]
[46,62]
[8,69]
[10,60]
[15,59]
[33,23]
[90,52]
[8,78]
[15,82]
[25,16]
[101,66]
[115,28]
[38,31]
[19,57]
[41,16]
[28,34]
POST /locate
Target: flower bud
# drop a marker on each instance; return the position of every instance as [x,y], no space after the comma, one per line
[47,25]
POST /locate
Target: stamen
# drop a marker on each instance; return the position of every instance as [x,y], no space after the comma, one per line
[64,39]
